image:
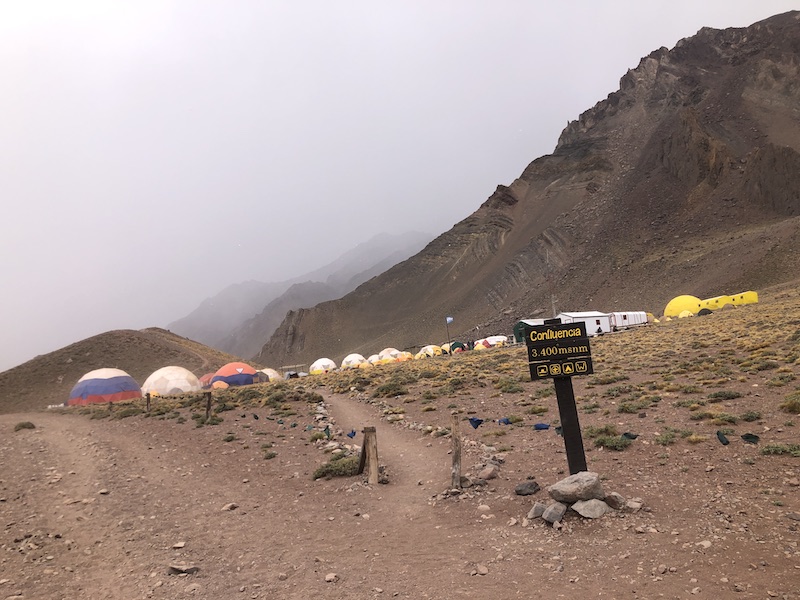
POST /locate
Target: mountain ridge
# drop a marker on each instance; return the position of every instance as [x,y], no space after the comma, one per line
[678,182]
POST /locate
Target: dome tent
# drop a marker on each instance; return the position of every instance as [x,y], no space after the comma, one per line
[235,373]
[429,351]
[681,304]
[321,365]
[271,374]
[205,380]
[171,380]
[354,361]
[104,385]
[389,355]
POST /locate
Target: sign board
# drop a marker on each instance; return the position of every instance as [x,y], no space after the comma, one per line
[558,350]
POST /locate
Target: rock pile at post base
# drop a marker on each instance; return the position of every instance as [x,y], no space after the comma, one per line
[582,493]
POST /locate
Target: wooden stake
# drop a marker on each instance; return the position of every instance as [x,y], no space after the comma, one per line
[455,436]
[147,401]
[208,406]
[370,453]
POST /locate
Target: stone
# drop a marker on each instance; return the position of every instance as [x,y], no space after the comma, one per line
[555,512]
[181,569]
[104,492]
[580,486]
[591,509]
[230,506]
[633,506]
[178,545]
[331,578]
[482,569]
[489,472]
[484,508]
[527,488]
[704,544]
[615,500]
[192,588]
[537,510]
[282,576]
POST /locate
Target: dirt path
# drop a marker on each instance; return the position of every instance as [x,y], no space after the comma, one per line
[95,508]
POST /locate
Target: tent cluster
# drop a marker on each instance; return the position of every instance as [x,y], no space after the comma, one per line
[114,385]
[392,355]
[690,306]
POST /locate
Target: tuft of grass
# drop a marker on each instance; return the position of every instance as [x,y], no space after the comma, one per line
[723,395]
[723,418]
[270,454]
[792,404]
[778,449]
[509,385]
[229,438]
[750,416]
[128,411]
[389,390]
[612,442]
[317,435]
[24,425]
[665,438]
[537,410]
[343,467]
[696,438]
[597,431]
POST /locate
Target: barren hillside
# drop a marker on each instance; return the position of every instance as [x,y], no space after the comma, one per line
[48,379]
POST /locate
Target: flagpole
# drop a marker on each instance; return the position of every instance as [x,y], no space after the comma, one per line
[447,326]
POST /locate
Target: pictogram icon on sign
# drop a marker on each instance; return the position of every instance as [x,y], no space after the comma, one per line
[541,370]
[555,369]
[568,368]
[581,366]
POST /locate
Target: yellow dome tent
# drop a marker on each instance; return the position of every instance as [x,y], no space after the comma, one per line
[680,304]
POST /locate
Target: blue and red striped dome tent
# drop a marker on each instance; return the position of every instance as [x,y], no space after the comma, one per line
[236,373]
[104,385]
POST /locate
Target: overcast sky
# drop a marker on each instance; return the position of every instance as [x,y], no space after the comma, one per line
[154,152]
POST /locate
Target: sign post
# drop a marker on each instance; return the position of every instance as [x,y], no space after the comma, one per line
[559,351]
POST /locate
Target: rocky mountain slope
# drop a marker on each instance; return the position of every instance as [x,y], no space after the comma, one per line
[240,318]
[48,379]
[374,257]
[685,180]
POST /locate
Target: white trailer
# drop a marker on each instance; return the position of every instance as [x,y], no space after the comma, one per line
[625,319]
[597,323]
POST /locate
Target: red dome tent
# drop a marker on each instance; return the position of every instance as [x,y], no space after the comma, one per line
[236,373]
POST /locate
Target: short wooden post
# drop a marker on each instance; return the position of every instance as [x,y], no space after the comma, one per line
[110,406]
[369,455]
[147,402]
[208,405]
[455,436]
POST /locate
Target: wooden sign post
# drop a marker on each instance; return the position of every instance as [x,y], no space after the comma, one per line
[559,351]
[208,406]
[147,402]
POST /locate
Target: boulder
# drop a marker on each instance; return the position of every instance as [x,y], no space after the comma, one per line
[591,509]
[555,512]
[581,486]
[526,488]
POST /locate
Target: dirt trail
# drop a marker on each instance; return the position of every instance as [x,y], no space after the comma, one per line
[166,484]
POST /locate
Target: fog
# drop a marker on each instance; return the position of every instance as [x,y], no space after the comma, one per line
[154,152]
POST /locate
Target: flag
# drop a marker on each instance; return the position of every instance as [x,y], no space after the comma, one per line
[448,320]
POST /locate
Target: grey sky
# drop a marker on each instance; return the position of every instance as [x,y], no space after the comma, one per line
[153,152]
